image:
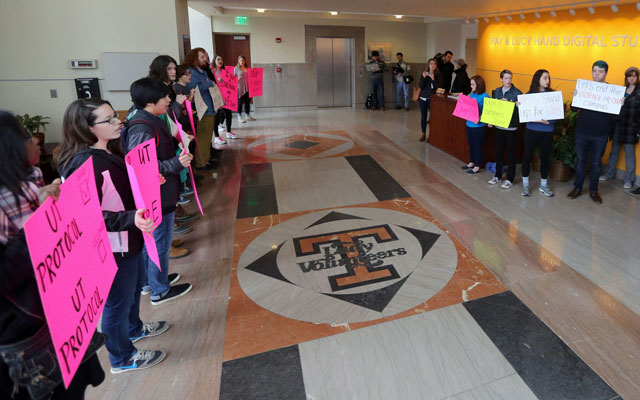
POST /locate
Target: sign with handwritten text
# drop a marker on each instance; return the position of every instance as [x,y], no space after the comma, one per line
[74,265]
[467,108]
[497,112]
[142,167]
[598,96]
[538,106]
[255,82]
[229,89]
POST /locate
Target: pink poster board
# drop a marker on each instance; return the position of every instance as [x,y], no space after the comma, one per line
[193,182]
[230,70]
[189,108]
[229,89]
[467,108]
[142,167]
[73,264]
[255,82]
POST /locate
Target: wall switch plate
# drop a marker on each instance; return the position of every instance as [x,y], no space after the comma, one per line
[54,93]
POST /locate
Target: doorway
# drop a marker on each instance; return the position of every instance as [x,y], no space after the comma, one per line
[334,67]
[229,47]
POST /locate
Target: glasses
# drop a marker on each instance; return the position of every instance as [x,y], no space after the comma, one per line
[111,120]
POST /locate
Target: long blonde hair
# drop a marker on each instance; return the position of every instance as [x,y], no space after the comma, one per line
[245,62]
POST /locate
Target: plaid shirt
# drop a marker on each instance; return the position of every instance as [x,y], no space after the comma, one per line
[12,218]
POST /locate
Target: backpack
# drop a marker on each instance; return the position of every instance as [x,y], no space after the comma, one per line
[369,103]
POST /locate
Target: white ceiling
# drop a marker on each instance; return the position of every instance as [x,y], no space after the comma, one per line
[455,9]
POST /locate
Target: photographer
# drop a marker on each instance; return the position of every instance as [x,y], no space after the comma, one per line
[403,80]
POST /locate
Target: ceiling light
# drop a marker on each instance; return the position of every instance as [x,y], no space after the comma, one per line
[638,6]
[614,8]
[537,14]
[553,13]
[572,12]
[497,18]
[260,10]
[521,16]
[508,17]
[591,10]
[398,16]
[334,13]
[486,19]
[477,20]
[466,21]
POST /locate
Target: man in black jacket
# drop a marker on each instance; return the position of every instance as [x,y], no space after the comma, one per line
[151,100]
[593,130]
[446,70]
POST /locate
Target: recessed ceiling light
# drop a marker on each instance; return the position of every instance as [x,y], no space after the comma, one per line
[398,16]
[334,13]
[260,10]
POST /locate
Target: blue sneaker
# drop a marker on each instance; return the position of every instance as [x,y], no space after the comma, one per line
[151,329]
[140,359]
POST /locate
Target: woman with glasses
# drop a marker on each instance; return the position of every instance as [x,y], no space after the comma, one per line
[91,129]
[626,131]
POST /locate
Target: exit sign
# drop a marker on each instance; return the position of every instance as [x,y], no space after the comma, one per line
[242,20]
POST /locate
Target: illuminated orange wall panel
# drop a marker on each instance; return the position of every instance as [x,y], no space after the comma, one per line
[566,46]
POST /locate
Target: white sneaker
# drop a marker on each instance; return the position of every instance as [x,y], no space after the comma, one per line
[507,184]
[219,141]
[250,118]
[627,185]
[241,118]
[231,135]
[493,181]
[222,128]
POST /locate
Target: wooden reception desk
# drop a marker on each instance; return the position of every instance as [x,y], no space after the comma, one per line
[448,133]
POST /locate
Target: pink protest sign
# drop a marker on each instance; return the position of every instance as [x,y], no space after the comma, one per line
[73,264]
[142,167]
[230,70]
[229,88]
[193,182]
[255,82]
[467,108]
[187,105]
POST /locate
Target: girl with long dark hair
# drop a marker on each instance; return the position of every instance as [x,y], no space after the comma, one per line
[429,82]
[91,129]
[242,72]
[224,114]
[539,133]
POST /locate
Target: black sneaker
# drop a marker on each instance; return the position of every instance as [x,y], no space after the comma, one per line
[182,229]
[635,192]
[173,293]
[187,218]
[173,278]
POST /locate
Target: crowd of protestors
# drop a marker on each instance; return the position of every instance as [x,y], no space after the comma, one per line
[92,129]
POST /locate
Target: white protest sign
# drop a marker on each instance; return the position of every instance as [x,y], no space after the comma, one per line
[536,106]
[598,96]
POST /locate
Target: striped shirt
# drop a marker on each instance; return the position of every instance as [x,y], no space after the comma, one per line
[12,218]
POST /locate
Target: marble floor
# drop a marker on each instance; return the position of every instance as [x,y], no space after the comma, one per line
[341,258]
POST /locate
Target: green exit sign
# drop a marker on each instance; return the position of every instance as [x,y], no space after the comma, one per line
[242,20]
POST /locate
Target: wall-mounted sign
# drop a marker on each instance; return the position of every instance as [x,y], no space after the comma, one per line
[242,20]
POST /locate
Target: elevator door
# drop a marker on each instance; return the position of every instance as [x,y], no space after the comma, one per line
[334,71]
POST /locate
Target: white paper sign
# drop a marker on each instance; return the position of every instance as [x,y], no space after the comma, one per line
[598,96]
[536,106]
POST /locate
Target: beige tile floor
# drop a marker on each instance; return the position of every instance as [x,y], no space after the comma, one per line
[575,264]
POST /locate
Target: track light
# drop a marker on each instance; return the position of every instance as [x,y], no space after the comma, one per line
[614,8]
[509,18]
[638,6]
[572,12]
[591,10]
[553,13]
[486,19]
[260,10]
[537,14]
[497,18]
[522,15]
[398,16]
[477,20]
[334,13]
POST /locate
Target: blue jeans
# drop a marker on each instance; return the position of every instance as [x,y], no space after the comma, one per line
[121,316]
[424,110]
[402,89]
[474,137]
[377,88]
[589,148]
[158,280]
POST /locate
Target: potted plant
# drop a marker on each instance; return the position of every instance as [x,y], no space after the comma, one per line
[33,124]
[563,152]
